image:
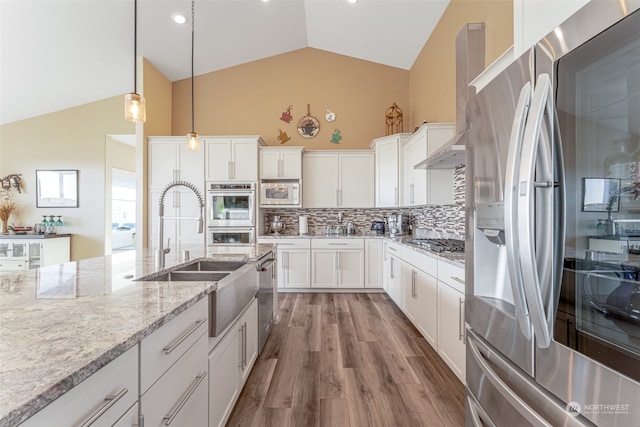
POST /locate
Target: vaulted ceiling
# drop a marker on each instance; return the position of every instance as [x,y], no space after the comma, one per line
[56,54]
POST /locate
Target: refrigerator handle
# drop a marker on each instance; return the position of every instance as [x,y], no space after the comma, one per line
[510,210]
[505,391]
[535,229]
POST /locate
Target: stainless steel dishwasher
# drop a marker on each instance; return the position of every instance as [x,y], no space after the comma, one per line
[266,274]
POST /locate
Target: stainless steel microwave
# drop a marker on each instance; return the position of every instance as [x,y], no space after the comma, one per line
[280,193]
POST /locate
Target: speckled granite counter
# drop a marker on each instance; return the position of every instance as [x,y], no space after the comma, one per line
[60,324]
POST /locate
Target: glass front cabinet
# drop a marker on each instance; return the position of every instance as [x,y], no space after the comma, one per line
[23,254]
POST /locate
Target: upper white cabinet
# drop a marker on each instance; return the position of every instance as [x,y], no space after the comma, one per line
[338,179]
[232,158]
[169,160]
[281,163]
[387,177]
[421,186]
[534,19]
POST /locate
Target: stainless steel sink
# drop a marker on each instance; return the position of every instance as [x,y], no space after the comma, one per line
[209,265]
[188,276]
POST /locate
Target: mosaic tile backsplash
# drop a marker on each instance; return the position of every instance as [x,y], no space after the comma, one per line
[444,220]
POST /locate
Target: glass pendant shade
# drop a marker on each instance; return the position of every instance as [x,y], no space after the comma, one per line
[135,108]
[193,141]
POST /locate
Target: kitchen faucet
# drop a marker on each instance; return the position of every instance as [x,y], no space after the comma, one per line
[161,252]
[610,224]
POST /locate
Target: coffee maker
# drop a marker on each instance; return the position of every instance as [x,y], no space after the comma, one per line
[398,224]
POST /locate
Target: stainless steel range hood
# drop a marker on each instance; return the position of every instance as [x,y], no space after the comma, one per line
[450,155]
[469,63]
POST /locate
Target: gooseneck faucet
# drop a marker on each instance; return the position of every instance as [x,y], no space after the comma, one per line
[161,251]
[610,225]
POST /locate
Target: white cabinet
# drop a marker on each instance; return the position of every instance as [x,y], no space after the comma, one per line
[169,160]
[373,263]
[230,363]
[23,254]
[534,19]
[294,262]
[105,397]
[387,178]
[231,158]
[173,370]
[419,186]
[337,263]
[451,338]
[338,179]
[281,163]
[419,300]
[392,272]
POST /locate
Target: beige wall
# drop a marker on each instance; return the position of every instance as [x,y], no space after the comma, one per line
[432,84]
[68,139]
[249,99]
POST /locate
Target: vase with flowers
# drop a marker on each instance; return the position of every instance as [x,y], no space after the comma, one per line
[7,206]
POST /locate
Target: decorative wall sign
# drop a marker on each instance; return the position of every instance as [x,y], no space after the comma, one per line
[393,119]
[282,136]
[286,115]
[336,137]
[329,115]
[308,126]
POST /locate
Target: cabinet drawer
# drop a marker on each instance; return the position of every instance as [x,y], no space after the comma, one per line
[419,260]
[179,398]
[107,395]
[451,275]
[14,265]
[287,243]
[392,248]
[337,244]
[164,347]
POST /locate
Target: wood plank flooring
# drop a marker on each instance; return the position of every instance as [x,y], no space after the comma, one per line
[347,360]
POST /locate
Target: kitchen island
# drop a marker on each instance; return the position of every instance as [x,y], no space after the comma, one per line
[62,323]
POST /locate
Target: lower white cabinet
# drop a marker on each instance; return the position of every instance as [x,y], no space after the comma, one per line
[373,263]
[100,400]
[419,301]
[337,263]
[392,280]
[294,261]
[230,362]
[23,254]
[451,330]
[179,397]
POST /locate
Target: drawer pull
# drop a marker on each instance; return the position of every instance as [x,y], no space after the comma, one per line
[168,419]
[338,244]
[392,249]
[457,279]
[169,348]
[109,401]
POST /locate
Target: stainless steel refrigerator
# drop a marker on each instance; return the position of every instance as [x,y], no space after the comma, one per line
[553,179]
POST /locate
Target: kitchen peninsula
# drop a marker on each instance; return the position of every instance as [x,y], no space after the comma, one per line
[60,324]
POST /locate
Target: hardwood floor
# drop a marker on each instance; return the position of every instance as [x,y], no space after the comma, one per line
[347,360]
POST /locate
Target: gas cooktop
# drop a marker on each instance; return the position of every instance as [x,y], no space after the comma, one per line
[439,245]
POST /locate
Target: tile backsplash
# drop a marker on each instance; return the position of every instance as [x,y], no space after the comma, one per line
[447,220]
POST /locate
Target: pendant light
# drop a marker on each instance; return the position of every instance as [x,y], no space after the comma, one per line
[193,142]
[134,104]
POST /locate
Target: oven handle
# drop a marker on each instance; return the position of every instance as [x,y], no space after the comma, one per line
[265,263]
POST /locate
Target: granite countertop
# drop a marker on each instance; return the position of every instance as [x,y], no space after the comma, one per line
[60,324]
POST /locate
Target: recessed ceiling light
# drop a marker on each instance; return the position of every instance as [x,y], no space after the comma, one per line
[179,18]
[352,1]
[265,1]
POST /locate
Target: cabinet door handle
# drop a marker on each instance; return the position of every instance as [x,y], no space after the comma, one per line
[337,197]
[340,192]
[413,284]
[229,173]
[461,319]
[109,401]
[168,419]
[457,279]
[396,196]
[244,346]
[173,345]
[392,276]
[338,260]
[280,168]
